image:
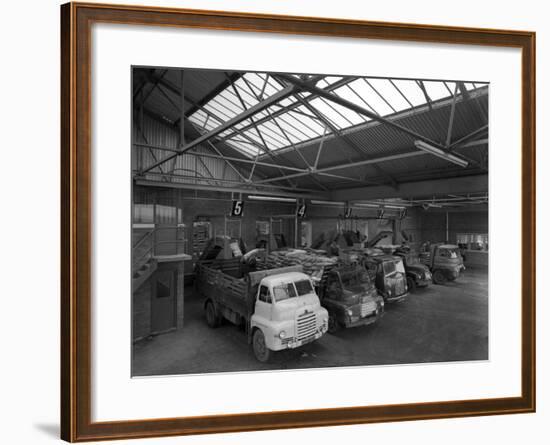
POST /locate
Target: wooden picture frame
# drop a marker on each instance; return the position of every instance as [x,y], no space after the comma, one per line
[76,220]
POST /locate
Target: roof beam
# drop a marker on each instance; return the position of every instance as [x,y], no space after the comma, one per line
[236,189]
[350,165]
[462,184]
[222,157]
[277,97]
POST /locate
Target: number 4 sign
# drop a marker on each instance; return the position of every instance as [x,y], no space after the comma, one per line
[237,209]
[301,211]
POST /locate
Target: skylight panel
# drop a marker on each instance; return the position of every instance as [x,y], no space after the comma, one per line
[351,116]
[217,112]
[301,125]
[271,133]
[198,118]
[322,83]
[256,82]
[247,95]
[349,93]
[245,147]
[230,108]
[388,91]
[335,118]
[301,114]
[332,79]
[436,90]
[272,86]
[294,129]
[411,90]
[288,101]
[375,99]
[450,87]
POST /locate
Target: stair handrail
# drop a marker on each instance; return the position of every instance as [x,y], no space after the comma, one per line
[137,261]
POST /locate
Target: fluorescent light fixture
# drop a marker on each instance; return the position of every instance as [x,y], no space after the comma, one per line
[378,206]
[328,203]
[440,153]
[270,198]
[364,204]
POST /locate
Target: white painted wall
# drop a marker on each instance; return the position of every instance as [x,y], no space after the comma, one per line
[29,101]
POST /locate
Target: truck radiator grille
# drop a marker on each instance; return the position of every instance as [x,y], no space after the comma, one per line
[400,287]
[367,308]
[305,326]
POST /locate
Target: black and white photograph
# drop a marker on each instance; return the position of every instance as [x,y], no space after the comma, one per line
[299,220]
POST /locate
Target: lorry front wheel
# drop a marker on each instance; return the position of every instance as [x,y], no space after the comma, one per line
[261,351]
[333,324]
[438,277]
[212,317]
[411,285]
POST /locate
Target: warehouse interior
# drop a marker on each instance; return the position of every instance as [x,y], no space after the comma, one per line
[281,161]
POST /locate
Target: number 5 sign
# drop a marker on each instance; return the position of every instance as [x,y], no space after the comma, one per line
[237,209]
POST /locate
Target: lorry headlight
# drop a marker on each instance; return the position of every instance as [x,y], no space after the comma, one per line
[282,334]
[325,320]
[350,312]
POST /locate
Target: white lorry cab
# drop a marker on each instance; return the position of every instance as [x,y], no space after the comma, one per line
[278,308]
[288,313]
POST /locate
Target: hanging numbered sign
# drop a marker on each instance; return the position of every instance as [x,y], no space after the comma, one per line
[301,211]
[238,207]
[347,213]
[380,213]
[402,213]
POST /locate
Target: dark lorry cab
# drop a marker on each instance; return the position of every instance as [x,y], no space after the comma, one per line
[418,274]
[388,273]
[350,297]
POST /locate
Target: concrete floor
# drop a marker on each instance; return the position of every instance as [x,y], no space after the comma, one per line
[439,323]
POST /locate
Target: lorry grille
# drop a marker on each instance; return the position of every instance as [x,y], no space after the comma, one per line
[367,308]
[305,325]
[400,287]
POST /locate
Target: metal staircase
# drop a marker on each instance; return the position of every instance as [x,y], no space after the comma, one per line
[143,261]
[157,243]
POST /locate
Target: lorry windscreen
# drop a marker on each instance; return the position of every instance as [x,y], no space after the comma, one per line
[389,267]
[354,278]
[449,253]
[286,291]
[303,287]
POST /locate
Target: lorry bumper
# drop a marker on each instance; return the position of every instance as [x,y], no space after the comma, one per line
[292,343]
[369,319]
[397,298]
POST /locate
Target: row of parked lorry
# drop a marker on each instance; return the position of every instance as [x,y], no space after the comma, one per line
[294,297]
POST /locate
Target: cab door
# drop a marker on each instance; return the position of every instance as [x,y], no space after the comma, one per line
[264,303]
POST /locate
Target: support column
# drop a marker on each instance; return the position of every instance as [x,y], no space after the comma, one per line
[179,295]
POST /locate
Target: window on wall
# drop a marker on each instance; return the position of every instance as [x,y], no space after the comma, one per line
[144,214]
[473,241]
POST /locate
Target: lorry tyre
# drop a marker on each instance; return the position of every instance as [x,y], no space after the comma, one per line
[438,277]
[261,351]
[333,325]
[411,285]
[212,317]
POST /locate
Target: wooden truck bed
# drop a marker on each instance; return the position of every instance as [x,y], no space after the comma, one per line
[224,289]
